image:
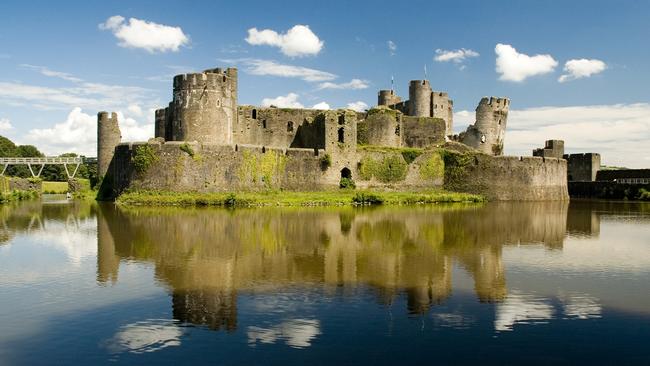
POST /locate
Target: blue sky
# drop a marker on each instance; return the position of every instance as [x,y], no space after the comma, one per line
[58,66]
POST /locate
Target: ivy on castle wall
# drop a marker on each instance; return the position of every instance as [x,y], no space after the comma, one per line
[145,156]
[266,168]
[389,169]
[432,167]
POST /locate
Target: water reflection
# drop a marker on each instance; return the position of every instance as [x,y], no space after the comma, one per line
[206,258]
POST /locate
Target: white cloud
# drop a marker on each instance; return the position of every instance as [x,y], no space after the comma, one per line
[582,68]
[51,73]
[297,42]
[392,48]
[321,105]
[515,66]
[5,125]
[150,36]
[288,101]
[619,132]
[352,84]
[86,95]
[78,134]
[358,106]
[135,109]
[272,68]
[456,56]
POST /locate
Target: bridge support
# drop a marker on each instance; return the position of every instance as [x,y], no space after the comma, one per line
[40,170]
[67,172]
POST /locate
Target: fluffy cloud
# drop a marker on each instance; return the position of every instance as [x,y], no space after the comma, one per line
[5,125]
[597,128]
[135,109]
[456,56]
[321,105]
[78,133]
[297,42]
[287,101]
[358,106]
[352,84]
[392,48]
[581,68]
[515,66]
[272,68]
[150,36]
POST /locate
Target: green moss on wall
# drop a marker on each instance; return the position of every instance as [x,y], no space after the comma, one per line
[410,154]
[391,168]
[362,133]
[433,167]
[144,157]
[266,168]
[455,166]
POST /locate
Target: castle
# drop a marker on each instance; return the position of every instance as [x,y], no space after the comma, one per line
[205,141]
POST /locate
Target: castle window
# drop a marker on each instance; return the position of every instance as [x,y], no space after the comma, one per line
[263,123]
[254,114]
[482,139]
[218,102]
[224,78]
[263,149]
[342,119]
[341,135]
[290,126]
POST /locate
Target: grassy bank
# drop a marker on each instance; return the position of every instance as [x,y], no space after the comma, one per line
[54,187]
[17,195]
[327,198]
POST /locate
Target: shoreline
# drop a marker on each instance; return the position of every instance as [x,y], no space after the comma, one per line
[291,198]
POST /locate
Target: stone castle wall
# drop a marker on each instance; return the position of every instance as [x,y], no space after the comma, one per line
[507,177]
[582,167]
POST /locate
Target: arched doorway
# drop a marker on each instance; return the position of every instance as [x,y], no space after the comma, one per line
[346,173]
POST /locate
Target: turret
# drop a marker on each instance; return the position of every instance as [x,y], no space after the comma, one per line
[487,133]
[443,107]
[205,106]
[160,122]
[108,137]
[388,97]
[419,98]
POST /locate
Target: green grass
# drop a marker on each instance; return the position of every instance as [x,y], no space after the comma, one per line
[278,198]
[17,195]
[55,187]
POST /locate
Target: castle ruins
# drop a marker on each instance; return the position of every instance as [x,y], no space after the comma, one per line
[205,141]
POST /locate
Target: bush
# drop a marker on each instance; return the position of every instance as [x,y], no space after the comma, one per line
[365,198]
[325,162]
[144,157]
[347,183]
[410,154]
[644,195]
[187,149]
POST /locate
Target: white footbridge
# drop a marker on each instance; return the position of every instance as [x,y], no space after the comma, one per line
[36,165]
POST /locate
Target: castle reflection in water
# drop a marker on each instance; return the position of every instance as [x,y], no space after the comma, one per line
[205,257]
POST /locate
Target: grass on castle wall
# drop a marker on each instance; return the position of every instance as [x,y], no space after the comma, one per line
[342,197]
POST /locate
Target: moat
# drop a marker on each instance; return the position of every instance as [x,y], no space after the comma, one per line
[491,283]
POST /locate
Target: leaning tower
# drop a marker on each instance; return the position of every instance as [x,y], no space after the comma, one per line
[488,132]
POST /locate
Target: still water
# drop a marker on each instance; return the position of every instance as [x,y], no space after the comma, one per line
[496,283]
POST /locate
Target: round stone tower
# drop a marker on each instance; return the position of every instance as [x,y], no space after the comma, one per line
[205,106]
[388,97]
[419,98]
[108,137]
[488,132]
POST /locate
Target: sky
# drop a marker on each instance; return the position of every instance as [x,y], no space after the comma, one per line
[574,70]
